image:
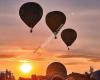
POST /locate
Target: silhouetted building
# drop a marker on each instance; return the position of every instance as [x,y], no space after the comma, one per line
[57,71]
[34,77]
[78,76]
[21,78]
[91,70]
[6,75]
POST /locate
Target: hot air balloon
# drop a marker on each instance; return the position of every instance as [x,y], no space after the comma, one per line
[56,70]
[96,75]
[55,20]
[31,13]
[68,36]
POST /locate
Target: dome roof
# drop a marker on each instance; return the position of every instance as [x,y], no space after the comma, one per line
[56,68]
[96,75]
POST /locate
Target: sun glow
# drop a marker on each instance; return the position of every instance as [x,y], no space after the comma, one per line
[26,67]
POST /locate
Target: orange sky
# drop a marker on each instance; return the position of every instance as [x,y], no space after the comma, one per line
[17,44]
[40,61]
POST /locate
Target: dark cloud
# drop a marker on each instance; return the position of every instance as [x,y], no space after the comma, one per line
[74,63]
[77,56]
[38,59]
[90,58]
[7,56]
[73,56]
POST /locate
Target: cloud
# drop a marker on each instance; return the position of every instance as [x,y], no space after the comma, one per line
[74,63]
[95,60]
[73,56]
[83,4]
[7,56]
[90,58]
[77,56]
[38,59]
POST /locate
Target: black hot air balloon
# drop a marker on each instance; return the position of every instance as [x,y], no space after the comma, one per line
[31,13]
[68,36]
[55,20]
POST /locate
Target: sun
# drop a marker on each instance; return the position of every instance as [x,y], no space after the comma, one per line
[26,67]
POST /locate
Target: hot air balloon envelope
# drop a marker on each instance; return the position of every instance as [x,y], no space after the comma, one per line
[31,13]
[68,36]
[55,20]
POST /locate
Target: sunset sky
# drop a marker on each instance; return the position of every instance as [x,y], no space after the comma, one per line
[17,44]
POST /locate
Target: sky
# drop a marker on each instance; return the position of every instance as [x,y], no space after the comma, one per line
[17,44]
